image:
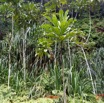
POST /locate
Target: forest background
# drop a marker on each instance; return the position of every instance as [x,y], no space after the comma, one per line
[51,51]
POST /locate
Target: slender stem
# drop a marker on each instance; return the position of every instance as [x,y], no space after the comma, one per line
[24,55]
[89,27]
[89,71]
[9,70]
[9,54]
[24,52]
[55,55]
[64,86]
[69,54]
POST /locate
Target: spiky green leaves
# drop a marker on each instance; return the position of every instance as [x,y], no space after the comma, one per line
[58,26]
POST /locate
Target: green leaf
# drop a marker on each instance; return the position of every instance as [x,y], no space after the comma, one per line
[66,15]
[48,18]
[61,14]
[71,21]
[61,38]
[54,20]
[70,34]
[56,31]
[47,27]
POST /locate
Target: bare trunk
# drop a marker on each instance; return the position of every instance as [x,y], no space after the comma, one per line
[24,52]
[88,69]
[64,86]
[69,51]
[24,55]
[9,54]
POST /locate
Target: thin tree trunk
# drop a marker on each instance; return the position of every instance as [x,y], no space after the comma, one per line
[24,55]
[55,55]
[9,54]
[9,70]
[69,51]
[64,86]
[89,70]
[24,52]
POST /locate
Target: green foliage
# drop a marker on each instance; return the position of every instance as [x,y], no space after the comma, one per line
[83,98]
[74,85]
[8,96]
[58,29]
[44,45]
[26,14]
[98,65]
[96,35]
[55,32]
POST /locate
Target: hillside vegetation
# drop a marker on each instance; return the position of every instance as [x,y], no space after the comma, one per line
[51,51]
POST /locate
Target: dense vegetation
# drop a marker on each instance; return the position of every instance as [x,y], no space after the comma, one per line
[51,51]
